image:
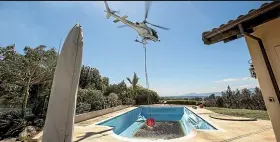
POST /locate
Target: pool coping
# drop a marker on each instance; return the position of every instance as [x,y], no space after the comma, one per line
[191,135]
[118,115]
[224,117]
[218,129]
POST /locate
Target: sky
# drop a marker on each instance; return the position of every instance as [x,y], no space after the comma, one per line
[181,63]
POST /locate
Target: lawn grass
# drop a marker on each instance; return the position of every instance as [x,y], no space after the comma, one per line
[258,114]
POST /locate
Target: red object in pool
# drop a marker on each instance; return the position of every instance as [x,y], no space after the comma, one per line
[150,122]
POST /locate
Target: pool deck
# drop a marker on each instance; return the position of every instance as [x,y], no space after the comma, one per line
[229,131]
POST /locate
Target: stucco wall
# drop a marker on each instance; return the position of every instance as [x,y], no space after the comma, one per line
[270,35]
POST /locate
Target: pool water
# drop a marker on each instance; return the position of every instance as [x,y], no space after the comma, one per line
[171,122]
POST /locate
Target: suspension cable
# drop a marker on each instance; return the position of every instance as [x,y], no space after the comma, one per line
[144,42]
[146,72]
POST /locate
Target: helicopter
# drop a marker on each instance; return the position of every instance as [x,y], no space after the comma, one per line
[146,32]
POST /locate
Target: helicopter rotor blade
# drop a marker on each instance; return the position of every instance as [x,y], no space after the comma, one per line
[122,26]
[158,26]
[118,11]
[147,9]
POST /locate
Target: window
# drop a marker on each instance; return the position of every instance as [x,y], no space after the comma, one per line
[154,33]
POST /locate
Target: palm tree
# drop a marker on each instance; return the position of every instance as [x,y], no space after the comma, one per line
[133,82]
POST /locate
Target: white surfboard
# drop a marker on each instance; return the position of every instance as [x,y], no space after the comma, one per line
[62,104]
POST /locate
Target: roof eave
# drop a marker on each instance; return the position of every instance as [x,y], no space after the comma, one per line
[231,31]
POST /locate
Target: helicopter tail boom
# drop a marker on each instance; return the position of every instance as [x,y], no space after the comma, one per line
[123,17]
[108,11]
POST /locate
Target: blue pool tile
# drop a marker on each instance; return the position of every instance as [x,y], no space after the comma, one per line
[128,123]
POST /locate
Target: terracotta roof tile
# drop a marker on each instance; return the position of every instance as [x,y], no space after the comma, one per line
[266,11]
[251,10]
[238,17]
[264,4]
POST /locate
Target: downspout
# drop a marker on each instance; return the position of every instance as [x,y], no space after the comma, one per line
[267,63]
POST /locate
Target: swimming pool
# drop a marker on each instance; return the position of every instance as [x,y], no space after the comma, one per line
[129,123]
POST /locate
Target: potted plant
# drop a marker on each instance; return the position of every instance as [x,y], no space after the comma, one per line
[201,105]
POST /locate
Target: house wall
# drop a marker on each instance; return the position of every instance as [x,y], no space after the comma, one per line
[270,35]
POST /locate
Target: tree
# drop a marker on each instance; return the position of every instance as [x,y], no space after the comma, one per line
[82,108]
[210,101]
[119,88]
[126,97]
[229,95]
[35,67]
[9,66]
[252,70]
[212,96]
[83,82]
[90,78]
[133,82]
[246,98]
[225,99]
[145,96]
[113,99]
[237,98]
[105,83]
[128,101]
[38,98]
[93,97]
[220,101]
[83,101]
[11,124]
[154,96]
[26,80]
[258,99]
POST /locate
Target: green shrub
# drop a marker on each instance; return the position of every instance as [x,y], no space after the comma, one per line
[82,108]
[145,96]
[113,100]
[129,101]
[182,102]
[11,124]
[97,100]
[93,97]
[119,102]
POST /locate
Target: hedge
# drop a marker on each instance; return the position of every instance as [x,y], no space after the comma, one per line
[182,102]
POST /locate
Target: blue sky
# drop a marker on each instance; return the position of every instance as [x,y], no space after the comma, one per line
[179,64]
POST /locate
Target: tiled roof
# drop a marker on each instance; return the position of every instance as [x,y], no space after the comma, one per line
[251,14]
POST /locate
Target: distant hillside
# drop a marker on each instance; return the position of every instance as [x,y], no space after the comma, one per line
[201,95]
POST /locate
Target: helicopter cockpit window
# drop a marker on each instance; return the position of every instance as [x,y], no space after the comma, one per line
[154,33]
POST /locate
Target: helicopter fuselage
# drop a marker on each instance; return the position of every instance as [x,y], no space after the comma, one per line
[142,29]
[146,32]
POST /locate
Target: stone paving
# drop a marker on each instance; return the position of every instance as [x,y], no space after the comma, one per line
[228,131]
[237,131]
